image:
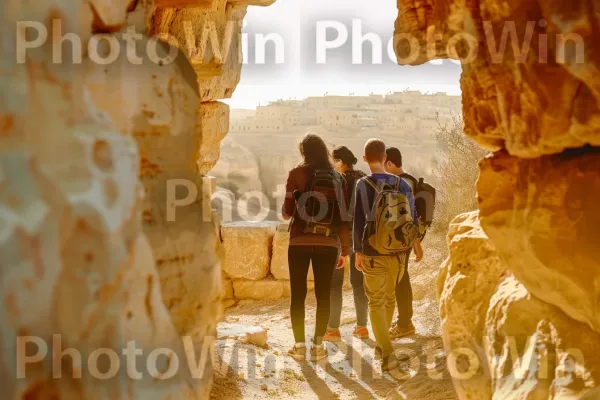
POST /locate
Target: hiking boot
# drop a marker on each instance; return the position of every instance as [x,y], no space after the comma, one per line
[397,332]
[361,332]
[318,352]
[389,363]
[297,353]
[332,335]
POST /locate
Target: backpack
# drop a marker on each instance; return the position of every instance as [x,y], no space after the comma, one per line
[318,207]
[390,228]
[424,202]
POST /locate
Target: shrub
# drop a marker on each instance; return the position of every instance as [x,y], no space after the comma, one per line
[457,173]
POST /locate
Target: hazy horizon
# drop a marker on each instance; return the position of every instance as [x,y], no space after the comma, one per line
[300,76]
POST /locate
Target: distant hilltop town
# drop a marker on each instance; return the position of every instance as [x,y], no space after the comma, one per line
[407,111]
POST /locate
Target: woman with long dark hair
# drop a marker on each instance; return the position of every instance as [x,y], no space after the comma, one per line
[324,251]
[344,162]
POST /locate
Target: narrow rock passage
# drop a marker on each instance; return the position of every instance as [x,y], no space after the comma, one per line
[246,371]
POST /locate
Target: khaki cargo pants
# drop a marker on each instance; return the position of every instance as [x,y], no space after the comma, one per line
[381,274]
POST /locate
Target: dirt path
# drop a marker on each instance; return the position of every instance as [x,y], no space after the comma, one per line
[351,372]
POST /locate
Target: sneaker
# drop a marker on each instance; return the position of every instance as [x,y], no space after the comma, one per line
[361,332]
[389,363]
[332,335]
[318,353]
[397,332]
[297,353]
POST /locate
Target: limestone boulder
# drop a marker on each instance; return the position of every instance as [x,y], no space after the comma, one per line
[247,249]
[266,289]
[279,261]
[157,104]
[542,217]
[536,351]
[209,36]
[213,120]
[75,261]
[538,100]
[227,288]
[466,282]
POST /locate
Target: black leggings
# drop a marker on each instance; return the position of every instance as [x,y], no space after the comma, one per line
[324,261]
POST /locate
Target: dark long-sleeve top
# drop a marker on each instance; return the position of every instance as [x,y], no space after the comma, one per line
[297,180]
[364,197]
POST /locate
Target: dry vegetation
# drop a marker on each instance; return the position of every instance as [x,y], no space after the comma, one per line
[457,173]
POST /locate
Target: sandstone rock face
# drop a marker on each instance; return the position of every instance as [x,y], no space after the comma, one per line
[537,351]
[536,103]
[466,283]
[542,217]
[210,37]
[75,261]
[503,341]
[531,102]
[158,105]
[247,249]
[213,119]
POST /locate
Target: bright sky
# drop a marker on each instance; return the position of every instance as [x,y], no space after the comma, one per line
[295,21]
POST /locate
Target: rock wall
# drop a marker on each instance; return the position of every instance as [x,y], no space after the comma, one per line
[106,232]
[255,266]
[527,265]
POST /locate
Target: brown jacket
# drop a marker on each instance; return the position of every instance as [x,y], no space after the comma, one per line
[297,180]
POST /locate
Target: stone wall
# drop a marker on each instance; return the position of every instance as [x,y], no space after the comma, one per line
[522,276]
[255,265]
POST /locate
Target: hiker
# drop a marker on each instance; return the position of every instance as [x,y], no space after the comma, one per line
[323,240]
[383,231]
[344,162]
[403,326]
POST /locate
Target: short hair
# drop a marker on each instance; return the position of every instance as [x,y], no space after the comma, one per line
[375,150]
[394,155]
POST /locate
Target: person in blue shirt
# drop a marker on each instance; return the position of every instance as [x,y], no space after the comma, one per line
[381,272]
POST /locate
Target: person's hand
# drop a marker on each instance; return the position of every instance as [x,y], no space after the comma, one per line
[357,263]
[340,262]
[418,252]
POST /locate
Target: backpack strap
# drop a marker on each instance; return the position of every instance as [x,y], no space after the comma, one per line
[370,182]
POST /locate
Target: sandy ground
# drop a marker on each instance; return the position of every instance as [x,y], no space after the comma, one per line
[245,371]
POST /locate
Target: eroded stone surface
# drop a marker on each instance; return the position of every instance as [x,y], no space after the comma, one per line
[210,37]
[542,217]
[466,282]
[158,105]
[537,351]
[75,261]
[503,341]
[247,249]
[532,102]
[213,120]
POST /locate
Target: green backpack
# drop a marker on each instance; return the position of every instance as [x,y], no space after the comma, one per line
[390,228]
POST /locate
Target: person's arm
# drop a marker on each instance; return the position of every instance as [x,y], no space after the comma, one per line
[346,226]
[418,250]
[359,217]
[417,246]
[289,204]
